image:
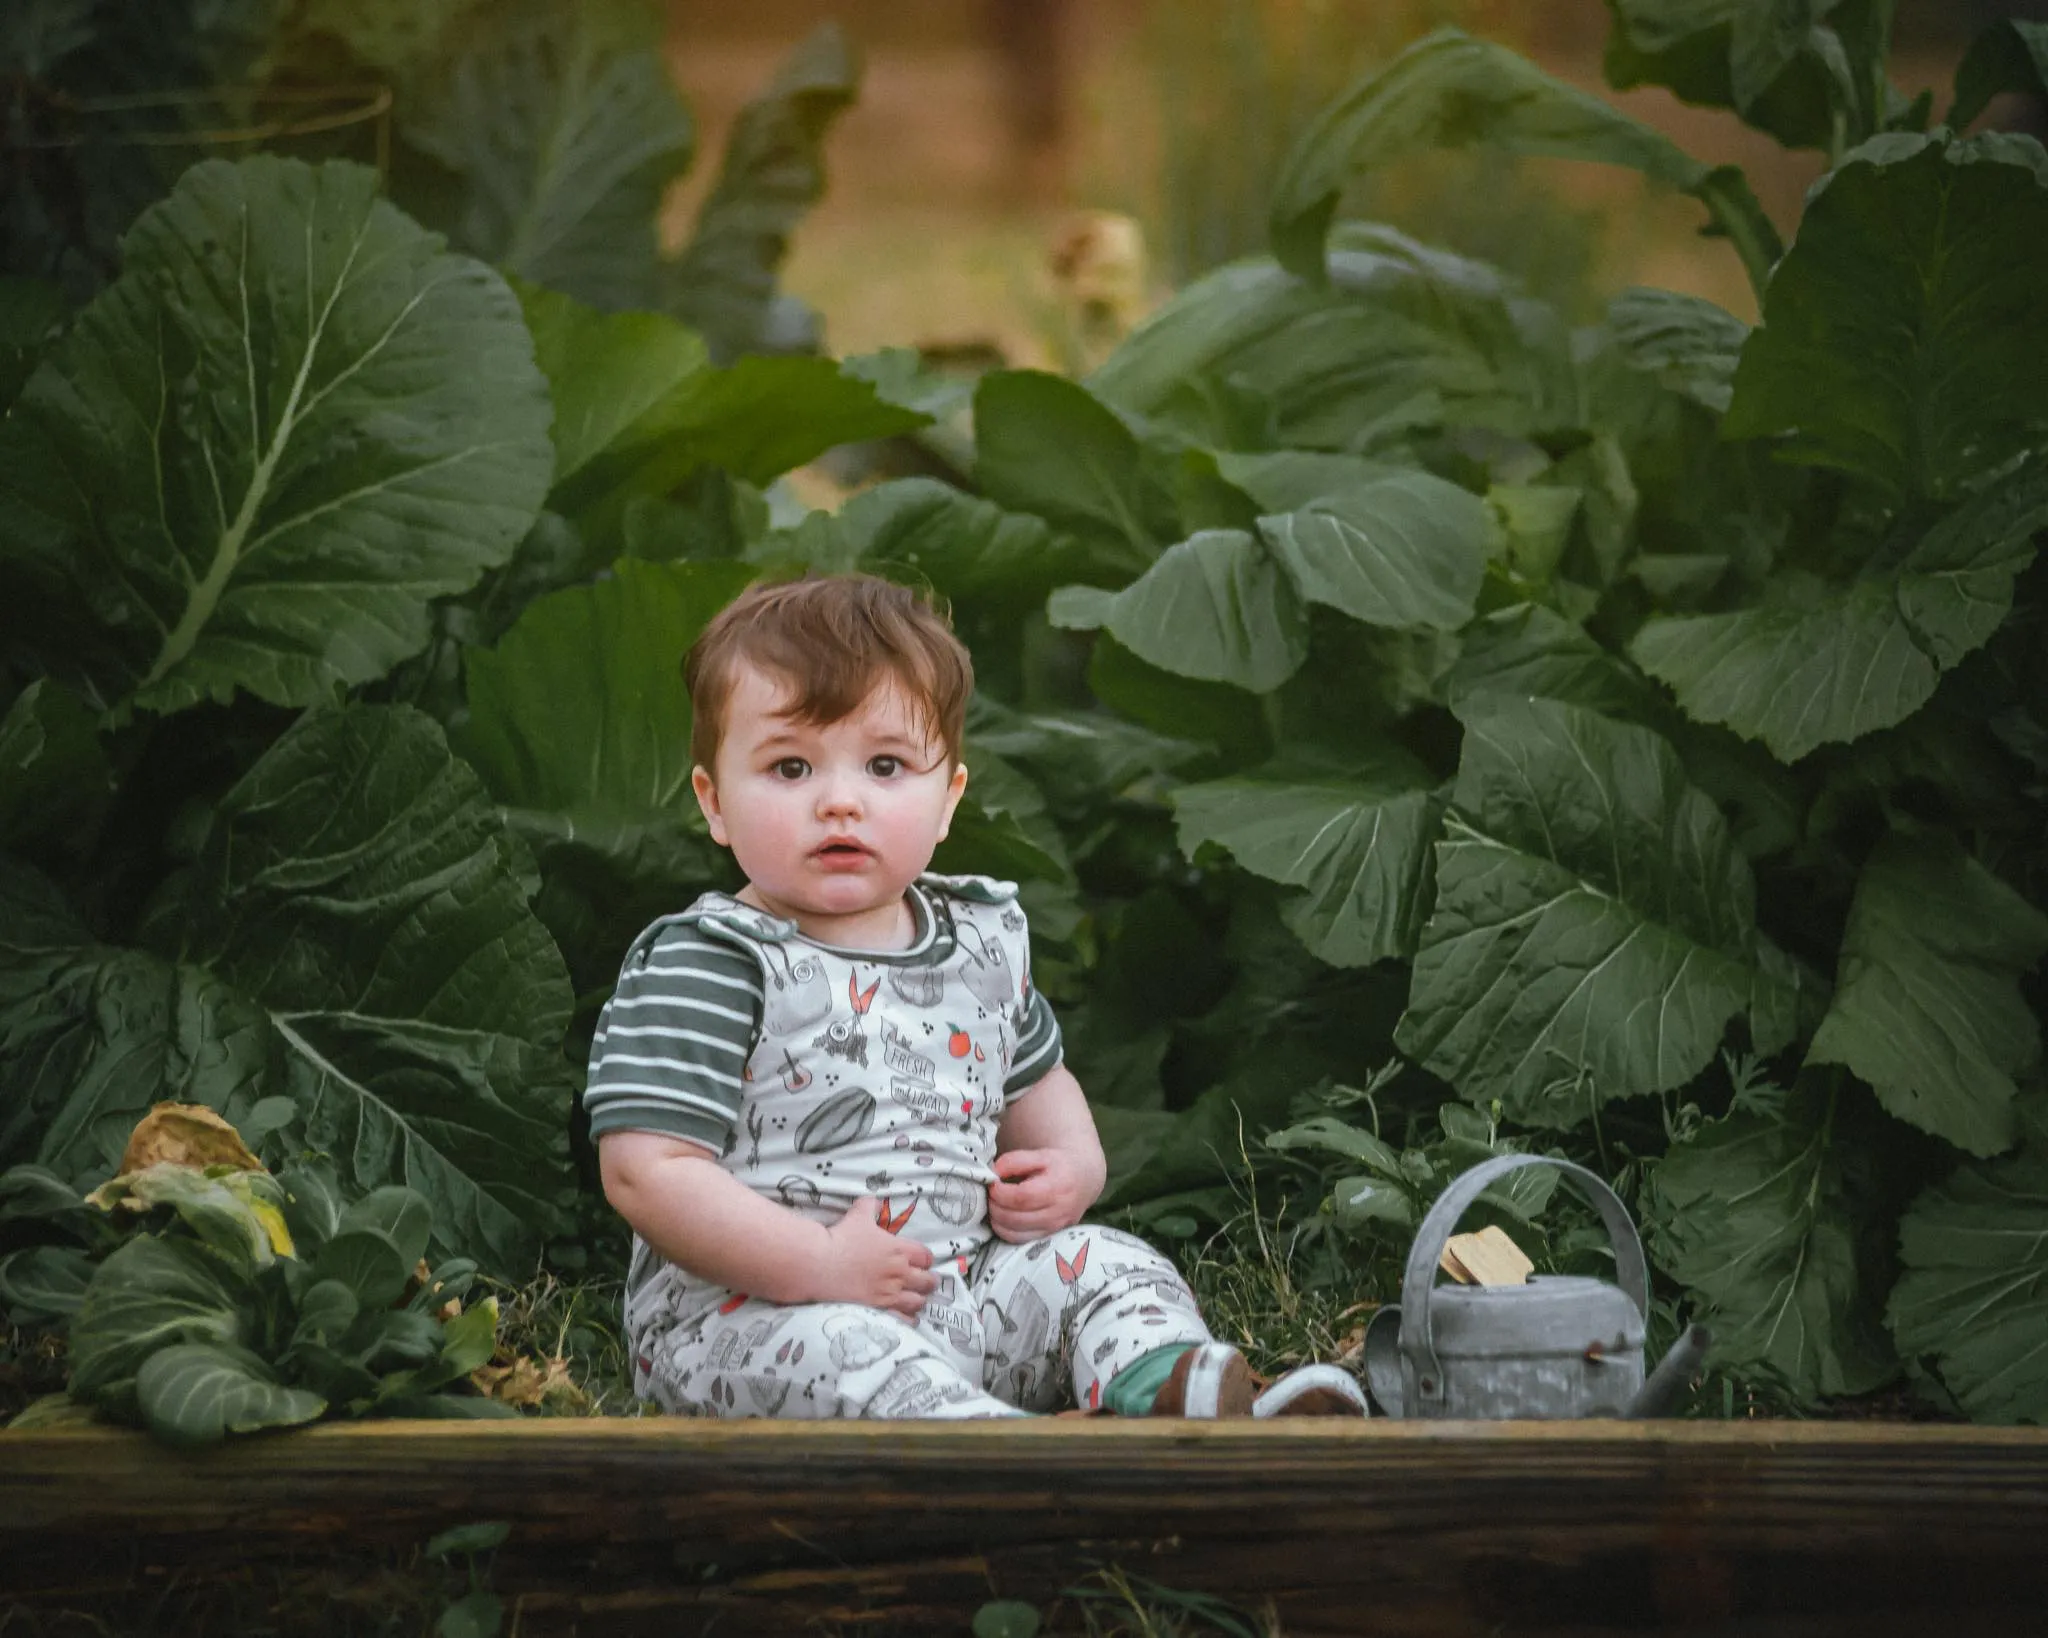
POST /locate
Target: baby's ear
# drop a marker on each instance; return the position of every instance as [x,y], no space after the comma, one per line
[955,788]
[706,790]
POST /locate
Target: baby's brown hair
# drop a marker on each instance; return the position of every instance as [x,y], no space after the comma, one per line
[831,639]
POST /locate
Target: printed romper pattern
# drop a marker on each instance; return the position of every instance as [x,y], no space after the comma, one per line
[819,1074]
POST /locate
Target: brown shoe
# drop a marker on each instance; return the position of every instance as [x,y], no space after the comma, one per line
[1211,1380]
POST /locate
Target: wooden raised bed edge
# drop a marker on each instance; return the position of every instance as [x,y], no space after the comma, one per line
[1771,1528]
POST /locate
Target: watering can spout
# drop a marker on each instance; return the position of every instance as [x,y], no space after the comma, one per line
[1666,1383]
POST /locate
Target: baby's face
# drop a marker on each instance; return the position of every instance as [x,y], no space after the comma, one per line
[829,823]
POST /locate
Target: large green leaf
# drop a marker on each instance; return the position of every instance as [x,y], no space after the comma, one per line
[1903,333]
[1594,924]
[1217,606]
[1535,652]
[1754,1215]
[1079,759]
[1001,828]
[1451,91]
[30,312]
[90,1035]
[765,416]
[355,936]
[579,721]
[2010,55]
[1407,549]
[54,777]
[971,551]
[150,1294]
[1403,337]
[1816,662]
[197,1393]
[1927,1005]
[1154,1153]
[1358,841]
[1810,72]
[1204,712]
[564,131]
[1973,1298]
[366,1264]
[1532,651]
[357,885]
[43,1283]
[640,408]
[773,172]
[1046,446]
[1687,342]
[255,457]
[608,373]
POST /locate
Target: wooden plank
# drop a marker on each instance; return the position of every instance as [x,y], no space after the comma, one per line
[1430,1528]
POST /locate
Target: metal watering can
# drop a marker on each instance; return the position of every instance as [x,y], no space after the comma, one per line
[1559,1346]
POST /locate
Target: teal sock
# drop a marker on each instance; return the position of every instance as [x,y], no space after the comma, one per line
[1132,1390]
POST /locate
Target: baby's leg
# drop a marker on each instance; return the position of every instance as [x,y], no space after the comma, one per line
[810,1360]
[1073,1309]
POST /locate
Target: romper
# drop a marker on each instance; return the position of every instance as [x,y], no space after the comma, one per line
[820,1074]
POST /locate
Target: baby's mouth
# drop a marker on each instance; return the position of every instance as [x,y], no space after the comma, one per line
[841,852]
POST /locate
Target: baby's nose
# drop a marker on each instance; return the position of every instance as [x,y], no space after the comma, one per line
[838,796]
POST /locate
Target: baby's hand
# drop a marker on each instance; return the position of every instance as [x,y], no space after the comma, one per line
[868,1264]
[1042,1191]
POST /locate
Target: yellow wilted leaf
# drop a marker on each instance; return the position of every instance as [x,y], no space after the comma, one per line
[186,1134]
[273,1225]
[528,1383]
[222,1205]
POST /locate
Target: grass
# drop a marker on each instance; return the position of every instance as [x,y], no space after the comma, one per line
[1265,1284]
[566,1334]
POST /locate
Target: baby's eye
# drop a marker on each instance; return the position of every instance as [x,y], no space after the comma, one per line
[885,767]
[791,767]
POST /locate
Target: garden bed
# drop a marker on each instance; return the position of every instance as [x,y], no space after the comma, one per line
[1772,1528]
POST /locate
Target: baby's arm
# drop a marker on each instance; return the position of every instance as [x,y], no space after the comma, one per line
[697,1215]
[1049,1158]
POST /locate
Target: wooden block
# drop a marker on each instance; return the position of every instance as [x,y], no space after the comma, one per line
[1486,1258]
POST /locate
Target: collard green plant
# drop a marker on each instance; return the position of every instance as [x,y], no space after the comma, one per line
[1972,1304]
[1634,733]
[540,136]
[1593,932]
[641,410]
[232,1302]
[561,130]
[1758,1216]
[1594,712]
[250,468]
[723,283]
[291,456]
[352,935]
[1811,73]
[1451,90]
[579,725]
[257,455]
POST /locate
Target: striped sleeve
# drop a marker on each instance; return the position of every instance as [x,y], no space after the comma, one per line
[673,1039]
[1038,1047]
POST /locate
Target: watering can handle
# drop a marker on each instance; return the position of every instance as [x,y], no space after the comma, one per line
[1418,1340]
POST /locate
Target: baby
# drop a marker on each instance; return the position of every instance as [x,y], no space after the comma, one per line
[833,1108]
